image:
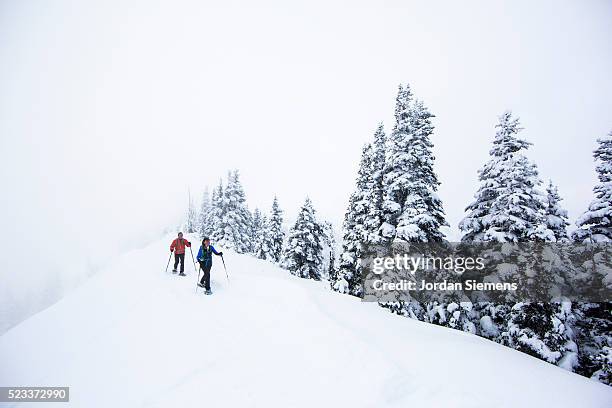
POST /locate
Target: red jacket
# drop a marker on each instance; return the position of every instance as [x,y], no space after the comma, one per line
[179,245]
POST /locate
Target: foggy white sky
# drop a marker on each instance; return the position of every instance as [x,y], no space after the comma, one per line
[110,111]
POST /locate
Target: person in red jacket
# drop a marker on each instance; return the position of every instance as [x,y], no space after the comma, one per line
[178,247]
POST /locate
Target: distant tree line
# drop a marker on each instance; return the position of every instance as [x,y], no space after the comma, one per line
[224,217]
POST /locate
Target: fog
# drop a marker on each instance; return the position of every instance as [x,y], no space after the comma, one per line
[111,111]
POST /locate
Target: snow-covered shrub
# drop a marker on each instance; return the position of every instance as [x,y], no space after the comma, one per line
[538,329]
[594,338]
[604,360]
[492,321]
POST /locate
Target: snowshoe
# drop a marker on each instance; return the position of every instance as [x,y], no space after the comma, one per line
[200,285]
[174,271]
[182,274]
[208,292]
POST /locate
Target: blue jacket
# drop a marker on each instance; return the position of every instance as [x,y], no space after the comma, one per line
[205,256]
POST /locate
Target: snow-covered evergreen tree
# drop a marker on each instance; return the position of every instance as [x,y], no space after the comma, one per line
[556,216]
[191,221]
[332,269]
[412,209]
[263,243]
[508,206]
[354,231]
[217,213]
[596,223]
[256,226]
[204,226]
[236,222]
[275,231]
[374,218]
[330,247]
[303,255]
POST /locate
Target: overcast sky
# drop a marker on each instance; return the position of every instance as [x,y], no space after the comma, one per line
[111,110]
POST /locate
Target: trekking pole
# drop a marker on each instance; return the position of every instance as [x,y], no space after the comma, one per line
[170,257]
[198,281]
[194,267]
[225,268]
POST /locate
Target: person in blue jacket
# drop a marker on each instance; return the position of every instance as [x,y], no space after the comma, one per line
[205,261]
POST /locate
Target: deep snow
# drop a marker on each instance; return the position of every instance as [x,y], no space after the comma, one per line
[133,336]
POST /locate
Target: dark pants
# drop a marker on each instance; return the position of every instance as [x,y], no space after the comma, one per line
[181,258]
[205,276]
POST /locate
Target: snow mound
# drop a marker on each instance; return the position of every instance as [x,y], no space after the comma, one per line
[134,336]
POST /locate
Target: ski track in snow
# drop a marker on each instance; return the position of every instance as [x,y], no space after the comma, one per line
[134,336]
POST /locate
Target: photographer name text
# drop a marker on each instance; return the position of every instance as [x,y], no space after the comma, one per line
[470,285]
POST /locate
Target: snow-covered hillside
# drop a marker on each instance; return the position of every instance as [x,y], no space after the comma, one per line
[134,336]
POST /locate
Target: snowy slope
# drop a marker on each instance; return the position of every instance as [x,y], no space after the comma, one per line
[136,337]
